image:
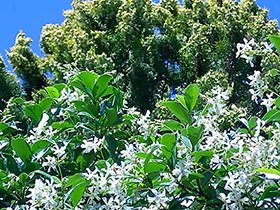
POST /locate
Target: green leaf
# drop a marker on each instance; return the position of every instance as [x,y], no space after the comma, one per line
[88,79]
[252,123]
[169,145]
[59,87]
[268,171]
[53,92]
[11,164]
[272,115]
[274,72]
[22,149]
[77,193]
[152,167]
[62,125]
[102,84]
[191,96]
[276,41]
[46,103]
[277,102]
[178,110]
[172,125]
[5,128]
[112,116]
[199,154]
[194,134]
[85,82]
[34,112]
[74,180]
[271,192]
[40,145]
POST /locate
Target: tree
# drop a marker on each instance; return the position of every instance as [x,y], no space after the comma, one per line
[9,86]
[26,64]
[150,48]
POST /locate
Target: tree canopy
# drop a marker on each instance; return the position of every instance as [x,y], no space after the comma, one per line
[150,48]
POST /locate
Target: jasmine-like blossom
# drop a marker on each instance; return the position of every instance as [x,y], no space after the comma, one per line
[49,163]
[258,86]
[37,131]
[243,50]
[243,47]
[143,124]
[160,199]
[267,47]
[92,144]
[268,102]
[44,195]
[59,151]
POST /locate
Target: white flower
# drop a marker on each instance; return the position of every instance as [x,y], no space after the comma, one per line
[143,124]
[43,195]
[37,131]
[245,50]
[255,78]
[59,151]
[50,163]
[216,162]
[92,144]
[160,200]
[258,86]
[268,103]
[267,47]
[188,202]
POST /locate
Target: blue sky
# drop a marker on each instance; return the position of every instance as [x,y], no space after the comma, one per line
[31,15]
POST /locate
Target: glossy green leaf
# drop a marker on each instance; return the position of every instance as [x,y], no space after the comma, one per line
[5,128]
[199,154]
[46,103]
[112,116]
[277,102]
[22,149]
[276,41]
[172,125]
[102,84]
[34,112]
[74,180]
[194,134]
[191,96]
[40,145]
[272,115]
[252,123]
[269,171]
[77,193]
[152,167]
[178,110]
[271,192]
[169,145]
[53,92]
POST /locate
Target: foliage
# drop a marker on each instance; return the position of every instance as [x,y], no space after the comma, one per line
[26,65]
[80,144]
[9,87]
[83,149]
[150,47]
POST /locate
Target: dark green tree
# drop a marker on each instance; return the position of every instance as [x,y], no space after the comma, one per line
[149,48]
[26,65]
[9,86]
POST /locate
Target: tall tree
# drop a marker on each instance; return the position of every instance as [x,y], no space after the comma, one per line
[9,86]
[150,48]
[27,65]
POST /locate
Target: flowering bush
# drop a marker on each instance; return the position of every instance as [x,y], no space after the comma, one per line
[82,147]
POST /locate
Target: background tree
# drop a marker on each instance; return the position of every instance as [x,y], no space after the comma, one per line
[9,86]
[149,48]
[26,65]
